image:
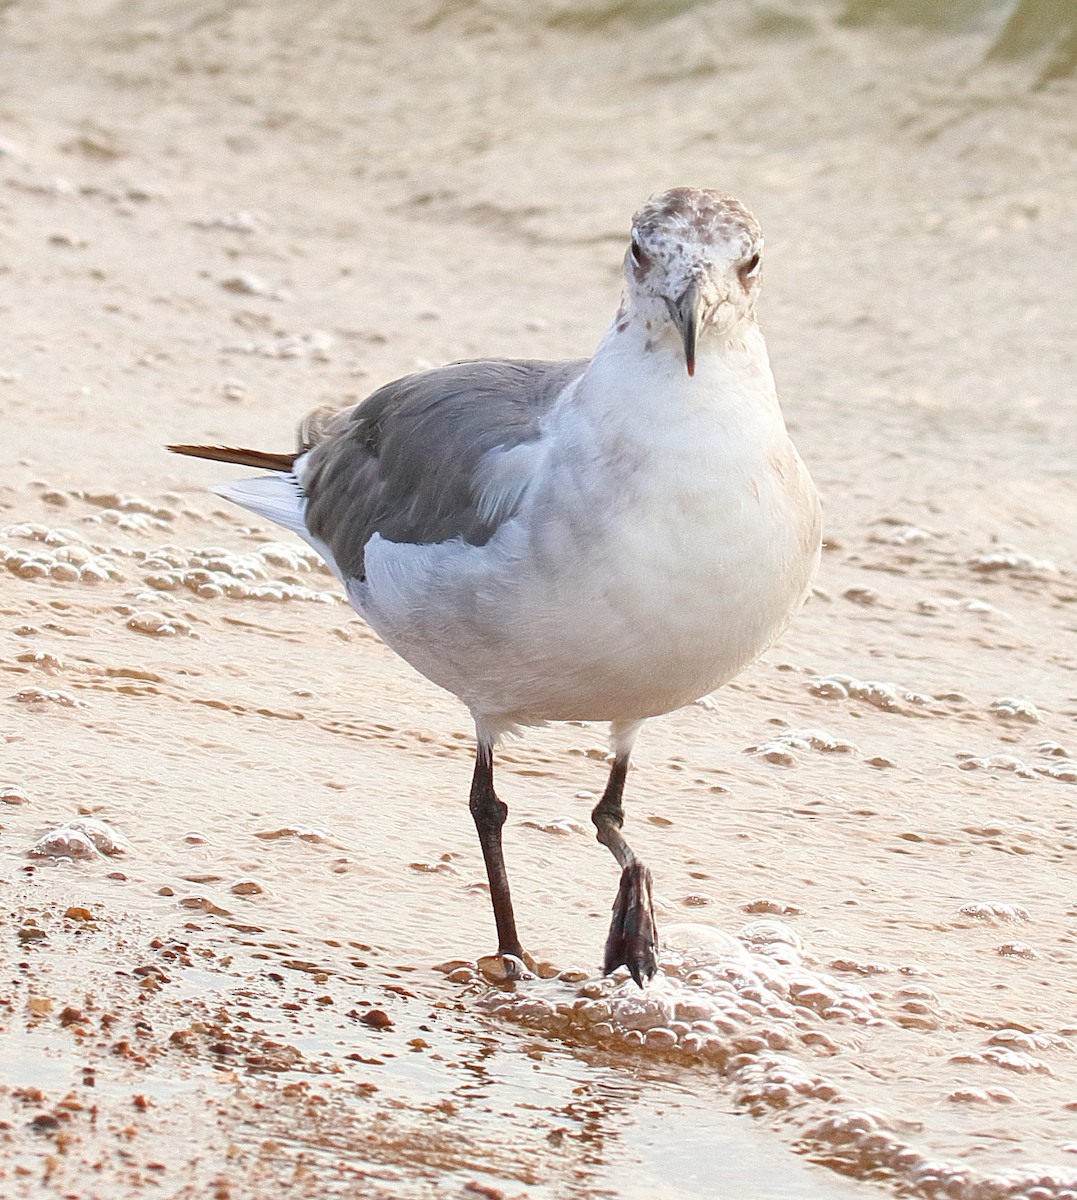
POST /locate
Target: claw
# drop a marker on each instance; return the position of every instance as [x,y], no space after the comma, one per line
[633,940]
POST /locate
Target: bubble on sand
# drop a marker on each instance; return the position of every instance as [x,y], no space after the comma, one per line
[982,1096]
[63,843]
[1018,1061]
[120,503]
[214,573]
[560,826]
[313,345]
[46,696]
[995,913]
[34,532]
[1020,1039]
[156,624]
[128,522]
[56,554]
[767,905]
[433,868]
[995,762]
[44,660]
[751,1010]
[105,839]
[1013,708]
[935,605]
[886,696]
[300,832]
[770,934]
[1063,772]
[247,283]
[829,689]
[240,221]
[733,1002]
[780,749]
[82,838]
[901,535]
[1012,562]
[1017,950]
[864,596]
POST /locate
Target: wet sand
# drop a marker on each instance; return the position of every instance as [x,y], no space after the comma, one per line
[212,219]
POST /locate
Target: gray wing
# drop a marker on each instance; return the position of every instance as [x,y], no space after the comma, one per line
[403,463]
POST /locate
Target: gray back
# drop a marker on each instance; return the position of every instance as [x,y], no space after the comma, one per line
[402,463]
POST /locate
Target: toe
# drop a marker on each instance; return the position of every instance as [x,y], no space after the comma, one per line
[633,941]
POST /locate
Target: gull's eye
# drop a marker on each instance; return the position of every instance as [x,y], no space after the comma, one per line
[639,255]
[750,267]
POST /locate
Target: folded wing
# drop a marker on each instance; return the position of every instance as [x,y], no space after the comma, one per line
[418,460]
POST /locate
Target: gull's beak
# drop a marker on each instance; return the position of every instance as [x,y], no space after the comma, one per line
[687,314]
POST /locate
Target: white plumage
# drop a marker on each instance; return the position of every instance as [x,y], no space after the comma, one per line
[602,541]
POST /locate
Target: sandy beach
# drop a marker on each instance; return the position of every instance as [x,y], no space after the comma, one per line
[243,897]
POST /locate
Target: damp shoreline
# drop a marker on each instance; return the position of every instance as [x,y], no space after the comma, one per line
[234,827]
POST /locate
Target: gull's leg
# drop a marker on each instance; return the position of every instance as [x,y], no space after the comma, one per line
[632,941]
[490,813]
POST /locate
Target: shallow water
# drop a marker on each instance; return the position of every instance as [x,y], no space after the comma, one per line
[844,959]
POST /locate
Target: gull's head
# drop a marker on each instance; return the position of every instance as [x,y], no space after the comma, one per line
[693,266]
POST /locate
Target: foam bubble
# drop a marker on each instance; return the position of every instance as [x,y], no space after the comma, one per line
[1012,562]
[82,838]
[36,695]
[752,1010]
[780,750]
[1013,708]
[52,557]
[994,912]
[995,762]
[886,696]
[215,573]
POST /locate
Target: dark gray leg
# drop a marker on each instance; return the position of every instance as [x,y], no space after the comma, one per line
[632,941]
[490,813]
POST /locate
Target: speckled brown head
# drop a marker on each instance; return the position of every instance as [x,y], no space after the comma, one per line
[694,260]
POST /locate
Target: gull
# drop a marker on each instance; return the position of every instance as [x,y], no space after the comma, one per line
[602,539]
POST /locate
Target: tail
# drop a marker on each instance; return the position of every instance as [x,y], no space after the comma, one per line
[262,459]
[277,497]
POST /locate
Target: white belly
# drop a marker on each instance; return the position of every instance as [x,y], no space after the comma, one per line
[621,590]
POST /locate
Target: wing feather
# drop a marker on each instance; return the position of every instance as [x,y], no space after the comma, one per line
[414,463]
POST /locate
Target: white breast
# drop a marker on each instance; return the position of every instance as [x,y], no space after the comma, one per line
[669,537]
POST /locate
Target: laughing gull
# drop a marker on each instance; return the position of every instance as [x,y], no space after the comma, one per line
[601,539]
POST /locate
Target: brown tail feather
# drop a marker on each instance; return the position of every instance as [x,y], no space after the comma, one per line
[262,459]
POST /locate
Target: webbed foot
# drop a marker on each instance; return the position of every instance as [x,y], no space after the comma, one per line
[633,939]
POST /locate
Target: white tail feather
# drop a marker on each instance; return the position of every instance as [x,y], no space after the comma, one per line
[279,499]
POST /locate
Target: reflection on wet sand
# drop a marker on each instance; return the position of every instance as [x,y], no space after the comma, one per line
[302,1074]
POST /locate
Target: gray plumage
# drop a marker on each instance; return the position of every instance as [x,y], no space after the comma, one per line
[586,540]
[403,462]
